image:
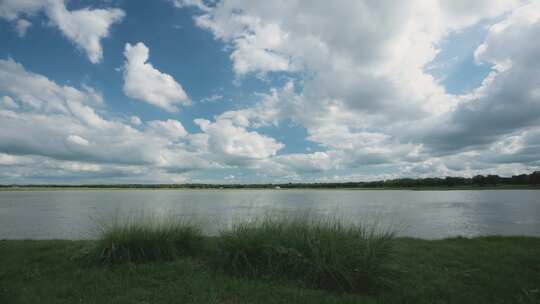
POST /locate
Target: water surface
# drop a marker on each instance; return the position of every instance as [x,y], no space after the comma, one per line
[72,214]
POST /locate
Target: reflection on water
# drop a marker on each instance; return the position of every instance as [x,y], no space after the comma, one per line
[425,214]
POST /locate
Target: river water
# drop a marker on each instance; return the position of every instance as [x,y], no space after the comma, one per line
[73,214]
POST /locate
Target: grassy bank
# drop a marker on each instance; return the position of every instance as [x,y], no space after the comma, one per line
[318,252]
[269,260]
[144,238]
[323,253]
[480,270]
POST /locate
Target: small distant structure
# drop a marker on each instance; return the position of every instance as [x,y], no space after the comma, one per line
[277,187]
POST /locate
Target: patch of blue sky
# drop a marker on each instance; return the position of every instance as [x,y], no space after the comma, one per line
[455,66]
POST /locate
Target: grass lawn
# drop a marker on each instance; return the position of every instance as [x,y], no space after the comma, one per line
[479,270]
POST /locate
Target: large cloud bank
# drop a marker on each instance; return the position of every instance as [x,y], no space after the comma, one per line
[361,90]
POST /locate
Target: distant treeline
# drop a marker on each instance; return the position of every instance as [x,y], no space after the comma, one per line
[532,179]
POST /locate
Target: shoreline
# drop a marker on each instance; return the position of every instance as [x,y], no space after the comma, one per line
[83,188]
[398,238]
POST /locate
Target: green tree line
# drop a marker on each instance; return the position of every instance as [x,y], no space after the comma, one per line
[532,179]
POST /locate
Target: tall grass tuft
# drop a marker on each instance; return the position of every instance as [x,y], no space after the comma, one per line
[147,238]
[326,253]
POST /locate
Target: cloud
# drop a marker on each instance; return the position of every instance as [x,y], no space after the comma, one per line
[187,3]
[60,133]
[144,82]
[314,162]
[365,95]
[212,98]
[38,92]
[8,103]
[135,120]
[76,139]
[234,143]
[364,57]
[10,160]
[12,9]
[22,26]
[256,48]
[43,170]
[508,100]
[359,87]
[61,122]
[84,27]
[170,128]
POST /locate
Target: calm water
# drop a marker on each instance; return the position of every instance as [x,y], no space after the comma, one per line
[425,214]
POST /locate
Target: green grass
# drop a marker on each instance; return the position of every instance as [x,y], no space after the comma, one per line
[273,259]
[321,252]
[144,238]
[479,270]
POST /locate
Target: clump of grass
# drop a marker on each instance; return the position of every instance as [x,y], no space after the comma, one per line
[147,238]
[325,253]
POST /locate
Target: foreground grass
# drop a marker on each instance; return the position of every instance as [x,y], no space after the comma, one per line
[146,238]
[320,252]
[480,270]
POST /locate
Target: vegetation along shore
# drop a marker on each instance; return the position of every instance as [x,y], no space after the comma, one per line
[274,259]
[479,182]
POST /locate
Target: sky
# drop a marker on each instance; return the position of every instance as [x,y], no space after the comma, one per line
[243,91]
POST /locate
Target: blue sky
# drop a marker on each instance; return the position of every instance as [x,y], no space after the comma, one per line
[239,91]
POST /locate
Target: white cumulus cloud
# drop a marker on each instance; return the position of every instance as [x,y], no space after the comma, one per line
[366,96]
[235,143]
[144,82]
[169,128]
[84,27]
